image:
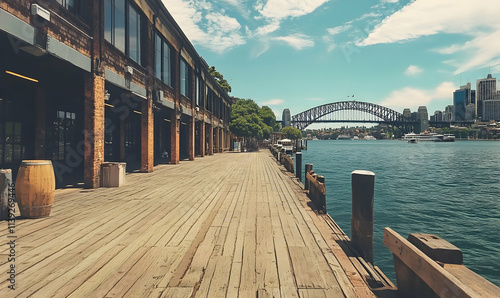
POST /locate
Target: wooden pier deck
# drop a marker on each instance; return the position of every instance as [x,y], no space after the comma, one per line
[228,225]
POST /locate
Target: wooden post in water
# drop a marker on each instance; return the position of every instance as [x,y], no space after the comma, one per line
[363,183]
[308,168]
[298,165]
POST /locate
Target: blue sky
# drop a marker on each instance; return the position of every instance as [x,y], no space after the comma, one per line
[298,54]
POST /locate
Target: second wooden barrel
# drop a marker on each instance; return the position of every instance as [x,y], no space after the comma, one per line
[35,186]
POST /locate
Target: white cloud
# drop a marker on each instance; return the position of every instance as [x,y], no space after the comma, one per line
[338,29]
[444,91]
[390,1]
[204,26]
[297,41]
[280,9]
[266,29]
[273,102]
[412,98]
[429,17]
[407,97]
[413,70]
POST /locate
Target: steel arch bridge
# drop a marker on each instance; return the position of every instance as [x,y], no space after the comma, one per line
[379,114]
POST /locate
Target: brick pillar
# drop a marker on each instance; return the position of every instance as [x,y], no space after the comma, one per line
[93,129]
[147,117]
[210,139]
[191,137]
[147,136]
[40,123]
[217,144]
[202,138]
[174,138]
[222,140]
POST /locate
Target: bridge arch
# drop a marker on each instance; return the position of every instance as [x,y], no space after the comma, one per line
[304,119]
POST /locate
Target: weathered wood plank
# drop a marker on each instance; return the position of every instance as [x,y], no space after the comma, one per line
[440,280]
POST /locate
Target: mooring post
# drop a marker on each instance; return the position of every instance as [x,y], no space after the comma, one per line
[363,184]
[5,182]
[308,168]
[298,165]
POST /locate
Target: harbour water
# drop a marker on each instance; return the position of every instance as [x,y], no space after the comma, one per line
[448,189]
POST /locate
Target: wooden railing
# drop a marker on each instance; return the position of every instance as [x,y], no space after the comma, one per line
[429,266]
[317,191]
[287,162]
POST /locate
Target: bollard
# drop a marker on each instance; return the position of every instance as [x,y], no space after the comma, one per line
[308,168]
[362,184]
[298,165]
[5,182]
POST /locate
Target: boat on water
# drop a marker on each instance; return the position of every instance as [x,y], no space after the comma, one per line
[355,138]
[413,141]
[433,137]
[286,144]
[370,138]
[344,137]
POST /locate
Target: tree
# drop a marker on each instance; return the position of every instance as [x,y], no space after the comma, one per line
[219,78]
[248,120]
[292,133]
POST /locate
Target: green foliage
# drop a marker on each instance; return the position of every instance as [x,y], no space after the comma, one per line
[249,120]
[292,133]
[219,78]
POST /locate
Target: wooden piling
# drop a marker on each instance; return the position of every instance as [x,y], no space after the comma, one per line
[298,165]
[362,183]
[308,168]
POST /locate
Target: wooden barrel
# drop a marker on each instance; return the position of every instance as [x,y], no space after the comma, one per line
[35,185]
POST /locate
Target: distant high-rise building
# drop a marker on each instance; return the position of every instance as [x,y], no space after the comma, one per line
[438,116]
[448,113]
[407,113]
[461,98]
[286,118]
[423,119]
[491,109]
[470,111]
[486,89]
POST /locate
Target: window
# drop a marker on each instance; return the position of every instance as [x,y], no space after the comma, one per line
[198,93]
[76,7]
[185,79]
[63,131]
[162,60]
[158,53]
[134,36]
[122,27]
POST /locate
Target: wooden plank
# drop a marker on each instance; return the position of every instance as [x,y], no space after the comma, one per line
[178,292]
[306,273]
[440,280]
[473,280]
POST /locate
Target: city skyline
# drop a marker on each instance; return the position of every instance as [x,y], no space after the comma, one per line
[399,54]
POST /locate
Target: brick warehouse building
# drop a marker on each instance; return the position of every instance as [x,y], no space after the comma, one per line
[83,82]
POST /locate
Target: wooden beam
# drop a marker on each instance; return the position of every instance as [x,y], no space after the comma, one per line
[439,280]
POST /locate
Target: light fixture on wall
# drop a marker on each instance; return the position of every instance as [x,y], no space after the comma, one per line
[21,76]
[106,95]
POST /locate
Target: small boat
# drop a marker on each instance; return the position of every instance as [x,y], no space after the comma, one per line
[344,137]
[413,141]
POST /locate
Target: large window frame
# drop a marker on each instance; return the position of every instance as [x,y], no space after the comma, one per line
[163,60]
[123,27]
[76,7]
[185,77]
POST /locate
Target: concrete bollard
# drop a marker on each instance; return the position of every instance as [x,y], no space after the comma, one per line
[298,165]
[5,182]
[308,168]
[363,184]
